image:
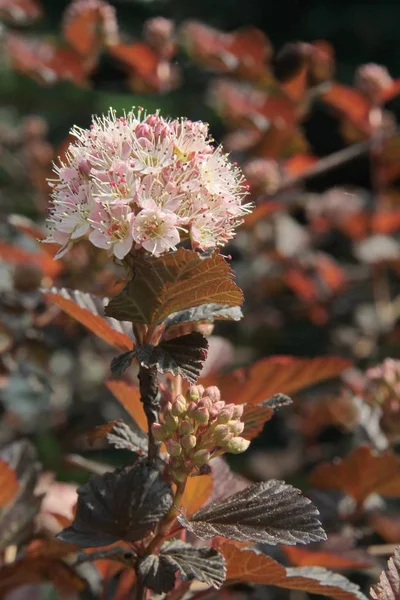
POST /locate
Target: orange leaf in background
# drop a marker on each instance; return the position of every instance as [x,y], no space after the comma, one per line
[38,570]
[254,418]
[386,221]
[129,396]
[299,163]
[349,103]
[247,565]
[9,484]
[301,283]
[262,211]
[17,255]
[273,375]
[197,492]
[301,557]
[89,311]
[330,273]
[360,474]
[388,527]
[87,23]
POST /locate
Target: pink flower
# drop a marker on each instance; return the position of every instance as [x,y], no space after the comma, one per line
[155,230]
[144,179]
[111,225]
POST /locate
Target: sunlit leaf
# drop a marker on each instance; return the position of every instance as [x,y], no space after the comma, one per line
[247,565]
[89,311]
[17,255]
[380,474]
[317,580]
[174,282]
[88,24]
[273,512]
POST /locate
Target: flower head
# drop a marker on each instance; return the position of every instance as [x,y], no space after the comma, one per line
[145,181]
[198,427]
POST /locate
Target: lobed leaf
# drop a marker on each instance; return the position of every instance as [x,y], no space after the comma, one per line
[205,313]
[380,474]
[273,375]
[302,557]
[120,435]
[123,505]
[171,283]
[158,572]
[272,512]
[89,311]
[183,356]
[251,566]
[388,587]
[122,362]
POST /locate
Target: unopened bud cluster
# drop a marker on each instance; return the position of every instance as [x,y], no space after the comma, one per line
[197,427]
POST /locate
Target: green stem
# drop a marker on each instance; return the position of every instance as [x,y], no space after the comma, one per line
[168,521]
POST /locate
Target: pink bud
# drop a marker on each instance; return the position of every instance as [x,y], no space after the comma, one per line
[238,411]
[179,406]
[213,392]
[201,415]
[159,432]
[186,427]
[188,442]
[225,414]
[236,427]
[222,434]
[173,448]
[201,457]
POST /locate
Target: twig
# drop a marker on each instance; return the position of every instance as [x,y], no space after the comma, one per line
[334,160]
[150,398]
[382,549]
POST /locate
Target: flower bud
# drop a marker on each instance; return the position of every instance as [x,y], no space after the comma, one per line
[193,393]
[186,427]
[171,422]
[236,445]
[225,414]
[201,415]
[173,448]
[159,432]
[179,406]
[201,457]
[213,392]
[188,442]
[222,434]
[236,427]
[238,411]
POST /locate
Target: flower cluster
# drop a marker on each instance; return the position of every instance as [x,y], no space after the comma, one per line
[198,427]
[145,182]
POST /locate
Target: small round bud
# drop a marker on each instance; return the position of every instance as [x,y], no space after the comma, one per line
[186,427]
[179,406]
[222,434]
[192,409]
[171,422]
[201,415]
[188,442]
[225,414]
[236,427]
[238,411]
[201,457]
[237,445]
[159,432]
[173,448]
[213,393]
[193,393]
